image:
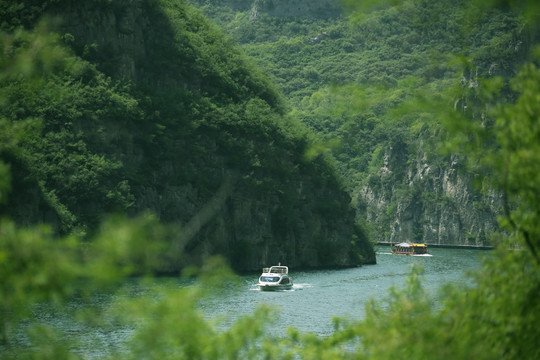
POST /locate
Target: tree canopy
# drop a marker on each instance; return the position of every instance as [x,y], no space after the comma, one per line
[496,317]
[352,79]
[129,107]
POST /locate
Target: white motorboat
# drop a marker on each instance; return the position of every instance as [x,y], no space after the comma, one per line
[275,278]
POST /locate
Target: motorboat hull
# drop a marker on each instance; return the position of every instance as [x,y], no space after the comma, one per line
[267,287]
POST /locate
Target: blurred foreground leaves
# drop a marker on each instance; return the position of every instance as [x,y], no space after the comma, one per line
[496,317]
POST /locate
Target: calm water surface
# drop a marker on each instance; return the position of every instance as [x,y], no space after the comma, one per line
[317,296]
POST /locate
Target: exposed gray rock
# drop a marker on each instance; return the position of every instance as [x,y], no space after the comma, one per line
[251,230]
[433,204]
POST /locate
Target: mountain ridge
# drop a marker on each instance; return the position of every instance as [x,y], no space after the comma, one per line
[168,125]
[350,81]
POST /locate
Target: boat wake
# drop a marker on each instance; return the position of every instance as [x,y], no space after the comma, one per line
[389,253]
[295,287]
[301,286]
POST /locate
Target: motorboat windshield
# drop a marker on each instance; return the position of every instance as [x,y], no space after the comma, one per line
[269,278]
[279,270]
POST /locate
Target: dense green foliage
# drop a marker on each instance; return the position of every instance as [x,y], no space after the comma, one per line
[125,124]
[56,107]
[352,81]
[496,318]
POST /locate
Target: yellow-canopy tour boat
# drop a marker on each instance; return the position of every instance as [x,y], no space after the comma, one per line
[409,249]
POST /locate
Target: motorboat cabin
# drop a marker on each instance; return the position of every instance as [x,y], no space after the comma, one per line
[275,278]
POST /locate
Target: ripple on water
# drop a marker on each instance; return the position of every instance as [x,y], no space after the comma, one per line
[316,297]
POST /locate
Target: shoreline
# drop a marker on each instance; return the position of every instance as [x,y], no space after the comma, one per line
[450,246]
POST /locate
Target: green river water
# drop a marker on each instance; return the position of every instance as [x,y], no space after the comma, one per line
[317,296]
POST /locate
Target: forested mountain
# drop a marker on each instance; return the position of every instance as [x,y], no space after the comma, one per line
[129,106]
[351,80]
[145,106]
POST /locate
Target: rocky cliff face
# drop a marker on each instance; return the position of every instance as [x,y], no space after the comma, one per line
[433,201]
[251,230]
[413,197]
[255,231]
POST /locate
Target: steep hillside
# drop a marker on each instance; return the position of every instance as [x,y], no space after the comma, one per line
[153,109]
[352,81]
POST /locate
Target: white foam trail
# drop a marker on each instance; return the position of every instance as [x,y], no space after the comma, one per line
[301,286]
[389,253]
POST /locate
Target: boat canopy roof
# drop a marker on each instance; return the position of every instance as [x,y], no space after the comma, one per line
[409,245]
[277,270]
[403,245]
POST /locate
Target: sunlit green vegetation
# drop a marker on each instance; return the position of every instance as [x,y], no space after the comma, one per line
[495,318]
[159,122]
[352,81]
